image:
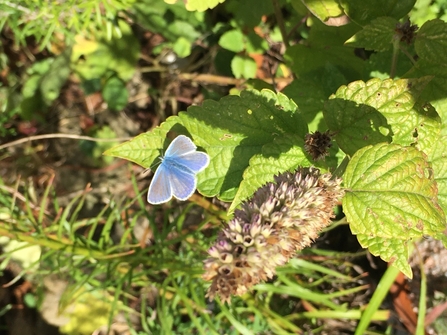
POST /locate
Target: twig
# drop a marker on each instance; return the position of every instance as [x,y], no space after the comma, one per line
[219,80]
[73,136]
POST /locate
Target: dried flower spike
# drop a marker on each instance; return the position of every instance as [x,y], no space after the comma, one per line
[279,219]
[317,144]
[406,31]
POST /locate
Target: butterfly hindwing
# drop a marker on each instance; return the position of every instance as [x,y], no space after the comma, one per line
[183,183]
[160,190]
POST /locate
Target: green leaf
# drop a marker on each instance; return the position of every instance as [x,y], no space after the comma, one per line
[285,153]
[145,148]
[231,131]
[243,67]
[377,36]
[381,111]
[255,43]
[182,47]
[309,95]
[201,5]
[438,158]
[172,21]
[436,90]
[325,46]
[363,12]
[115,93]
[391,199]
[249,13]
[232,40]
[379,65]
[431,42]
[324,9]
[56,77]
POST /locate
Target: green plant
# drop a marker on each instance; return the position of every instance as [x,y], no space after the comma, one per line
[388,133]
[374,84]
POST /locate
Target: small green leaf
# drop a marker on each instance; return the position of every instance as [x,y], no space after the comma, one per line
[381,111]
[391,199]
[431,41]
[286,153]
[52,81]
[363,12]
[115,93]
[324,9]
[182,47]
[232,40]
[377,36]
[201,5]
[243,67]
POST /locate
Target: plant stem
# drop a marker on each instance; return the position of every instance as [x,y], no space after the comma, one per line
[280,21]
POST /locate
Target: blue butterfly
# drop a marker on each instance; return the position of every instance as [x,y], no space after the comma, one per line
[176,175]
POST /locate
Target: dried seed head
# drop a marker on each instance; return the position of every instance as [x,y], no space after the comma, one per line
[280,219]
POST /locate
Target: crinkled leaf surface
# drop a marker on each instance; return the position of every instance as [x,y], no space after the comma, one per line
[391,199]
[363,12]
[284,154]
[381,110]
[231,131]
[324,9]
[438,159]
[431,41]
[377,36]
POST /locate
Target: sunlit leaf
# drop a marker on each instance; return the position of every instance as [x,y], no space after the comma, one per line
[391,199]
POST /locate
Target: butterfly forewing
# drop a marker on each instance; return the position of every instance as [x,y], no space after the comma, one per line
[194,161]
[180,146]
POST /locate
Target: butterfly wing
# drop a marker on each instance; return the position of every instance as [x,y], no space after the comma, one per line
[176,176]
[160,190]
[193,161]
[183,182]
[181,145]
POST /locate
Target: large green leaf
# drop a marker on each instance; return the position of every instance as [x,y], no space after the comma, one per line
[363,12]
[286,153]
[391,199]
[436,91]
[324,46]
[431,42]
[377,36]
[381,110]
[231,131]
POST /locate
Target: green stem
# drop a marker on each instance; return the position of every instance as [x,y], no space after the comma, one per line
[280,21]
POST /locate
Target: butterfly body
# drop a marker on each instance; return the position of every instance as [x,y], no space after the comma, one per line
[176,175]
